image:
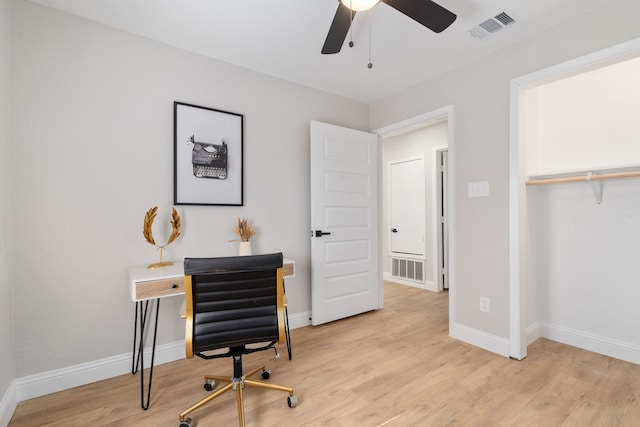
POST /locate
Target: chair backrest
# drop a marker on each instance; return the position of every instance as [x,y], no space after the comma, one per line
[233,301]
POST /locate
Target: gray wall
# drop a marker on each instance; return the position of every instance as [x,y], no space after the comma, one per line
[92,140]
[6,363]
[480,94]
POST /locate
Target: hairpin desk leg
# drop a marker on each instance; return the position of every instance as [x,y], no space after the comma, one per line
[135,359]
[140,319]
[286,326]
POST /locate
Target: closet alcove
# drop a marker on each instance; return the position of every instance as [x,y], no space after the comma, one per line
[580,146]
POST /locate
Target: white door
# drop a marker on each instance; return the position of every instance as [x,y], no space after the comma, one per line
[407,207]
[345,277]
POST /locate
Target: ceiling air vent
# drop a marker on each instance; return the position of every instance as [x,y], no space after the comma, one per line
[492,25]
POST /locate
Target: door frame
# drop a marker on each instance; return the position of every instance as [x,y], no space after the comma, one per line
[444,113]
[440,191]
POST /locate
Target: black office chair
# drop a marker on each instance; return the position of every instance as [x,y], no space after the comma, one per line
[234,303]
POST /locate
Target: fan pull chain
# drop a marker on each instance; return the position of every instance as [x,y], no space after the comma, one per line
[350,23]
[370,64]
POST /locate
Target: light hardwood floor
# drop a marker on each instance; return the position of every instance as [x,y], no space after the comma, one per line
[395,367]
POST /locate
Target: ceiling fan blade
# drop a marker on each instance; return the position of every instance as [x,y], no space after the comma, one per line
[431,15]
[338,30]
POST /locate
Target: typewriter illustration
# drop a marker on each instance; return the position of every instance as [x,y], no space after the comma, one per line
[209,160]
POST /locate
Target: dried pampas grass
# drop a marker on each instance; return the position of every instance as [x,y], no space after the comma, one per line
[243,230]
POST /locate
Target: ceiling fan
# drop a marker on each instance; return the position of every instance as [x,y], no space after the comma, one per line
[425,12]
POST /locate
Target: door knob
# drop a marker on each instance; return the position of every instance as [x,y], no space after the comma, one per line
[394,230]
[320,233]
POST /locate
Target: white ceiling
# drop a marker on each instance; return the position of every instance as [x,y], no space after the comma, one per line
[283,38]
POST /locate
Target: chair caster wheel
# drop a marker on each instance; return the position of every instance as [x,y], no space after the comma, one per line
[266,374]
[209,385]
[186,423]
[292,401]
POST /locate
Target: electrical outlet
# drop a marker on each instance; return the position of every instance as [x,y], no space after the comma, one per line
[485,305]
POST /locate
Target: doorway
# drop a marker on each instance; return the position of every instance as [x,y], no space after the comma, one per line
[423,144]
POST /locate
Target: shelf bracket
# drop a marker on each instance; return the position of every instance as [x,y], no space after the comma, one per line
[596,187]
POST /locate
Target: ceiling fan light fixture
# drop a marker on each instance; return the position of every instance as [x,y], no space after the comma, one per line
[359,5]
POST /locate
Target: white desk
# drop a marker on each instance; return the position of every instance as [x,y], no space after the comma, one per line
[152,283]
[146,285]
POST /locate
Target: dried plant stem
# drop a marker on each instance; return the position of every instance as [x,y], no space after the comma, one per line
[243,230]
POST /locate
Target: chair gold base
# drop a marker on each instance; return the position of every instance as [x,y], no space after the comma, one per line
[237,385]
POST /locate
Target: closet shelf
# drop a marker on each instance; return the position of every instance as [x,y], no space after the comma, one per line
[584,178]
[595,178]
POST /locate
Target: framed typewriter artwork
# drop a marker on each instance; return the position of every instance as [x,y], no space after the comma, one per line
[208,156]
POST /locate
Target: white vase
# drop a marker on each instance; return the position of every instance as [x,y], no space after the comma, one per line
[245,248]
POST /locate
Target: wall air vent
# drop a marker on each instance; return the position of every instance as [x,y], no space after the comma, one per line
[408,269]
[492,25]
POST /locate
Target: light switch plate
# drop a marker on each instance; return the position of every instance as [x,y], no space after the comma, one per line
[478,189]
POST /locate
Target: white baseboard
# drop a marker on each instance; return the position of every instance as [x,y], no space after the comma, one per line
[298,320]
[85,373]
[8,405]
[628,352]
[480,339]
[44,383]
[533,333]
[427,284]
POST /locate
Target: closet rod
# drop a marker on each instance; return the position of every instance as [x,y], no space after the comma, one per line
[586,178]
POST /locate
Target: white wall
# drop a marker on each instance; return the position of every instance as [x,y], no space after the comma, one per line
[480,95]
[417,142]
[585,287]
[6,360]
[608,100]
[587,270]
[92,140]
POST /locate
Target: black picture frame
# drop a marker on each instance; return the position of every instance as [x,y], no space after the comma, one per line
[208,156]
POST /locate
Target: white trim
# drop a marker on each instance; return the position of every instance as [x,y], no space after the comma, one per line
[610,55]
[451,217]
[622,350]
[517,346]
[8,404]
[298,320]
[436,220]
[421,120]
[480,339]
[517,195]
[426,285]
[379,216]
[43,383]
